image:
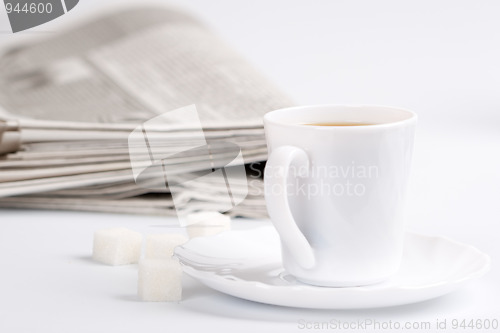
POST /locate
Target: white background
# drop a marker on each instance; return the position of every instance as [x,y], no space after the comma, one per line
[438,58]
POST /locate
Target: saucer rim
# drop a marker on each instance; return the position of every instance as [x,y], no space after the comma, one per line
[230,287]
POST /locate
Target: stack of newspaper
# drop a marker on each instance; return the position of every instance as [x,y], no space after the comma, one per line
[69,105]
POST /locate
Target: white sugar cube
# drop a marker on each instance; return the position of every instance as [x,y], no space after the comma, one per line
[162,245]
[207,224]
[117,246]
[160,280]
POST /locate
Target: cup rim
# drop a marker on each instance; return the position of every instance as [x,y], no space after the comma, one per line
[268,117]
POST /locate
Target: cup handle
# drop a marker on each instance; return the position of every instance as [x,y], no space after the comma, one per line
[275,176]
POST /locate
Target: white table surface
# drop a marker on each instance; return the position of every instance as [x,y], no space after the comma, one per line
[440,59]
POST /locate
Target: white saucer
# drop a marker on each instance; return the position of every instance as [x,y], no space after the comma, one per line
[247,264]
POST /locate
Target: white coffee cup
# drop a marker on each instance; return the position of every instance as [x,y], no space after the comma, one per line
[336,193]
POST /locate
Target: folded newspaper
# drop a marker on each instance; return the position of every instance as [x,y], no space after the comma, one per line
[70,103]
